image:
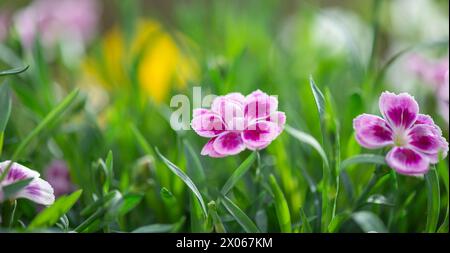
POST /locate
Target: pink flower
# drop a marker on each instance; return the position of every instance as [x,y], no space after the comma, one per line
[57,174]
[432,72]
[4,25]
[235,123]
[443,97]
[38,190]
[415,140]
[68,21]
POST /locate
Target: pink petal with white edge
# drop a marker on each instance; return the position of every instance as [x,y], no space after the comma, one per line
[208,149]
[16,172]
[372,131]
[259,105]
[260,134]
[399,110]
[407,161]
[208,124]
[229,143]
[229,110]
[39,191]
[278,118]
[236,97]
[425,138]
[200,111]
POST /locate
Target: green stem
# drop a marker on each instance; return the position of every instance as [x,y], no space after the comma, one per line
[8,212]
[375,177]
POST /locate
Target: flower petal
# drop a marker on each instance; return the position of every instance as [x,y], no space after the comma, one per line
[399,110]
[229,143]
[208,149]
[407,161]
[229,110]
[236,97]
[38,191]
[259,105]
[372,131]
[278,118]
[17,172]
[260,134]
[207,124]
[425,138]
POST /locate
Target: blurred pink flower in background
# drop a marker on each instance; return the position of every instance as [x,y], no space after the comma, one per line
[4,25]
[430,71]
[68,21]
[435,74]
[57,174]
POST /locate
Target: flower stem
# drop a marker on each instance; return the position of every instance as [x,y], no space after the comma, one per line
[377,174]
[8,212]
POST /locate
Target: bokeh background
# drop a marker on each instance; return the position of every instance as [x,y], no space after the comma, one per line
[128,58]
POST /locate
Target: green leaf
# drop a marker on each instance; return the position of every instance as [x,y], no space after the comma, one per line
[129,202]
[246,223]
[194,165]
[50,118]
[217,222]
[51,214]
[363,158]
[433,200]
[369,222]
[308,139]
[12,189]
[14,71]
[161,228]
[337,222]
[318,98]
[238,173]
[281,206]
[142,141]
[179,173]
[5,106]
[306,226]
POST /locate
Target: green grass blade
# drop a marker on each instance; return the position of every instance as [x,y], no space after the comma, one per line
[281,206]
[310,140]
[5,105]
[246,223]
[194,165]
[369,222]
[51,117]
[13,71]
[363,158]
[238,173]
[51,215]
[306,225]
[179,173]
[217,222]
[433,201]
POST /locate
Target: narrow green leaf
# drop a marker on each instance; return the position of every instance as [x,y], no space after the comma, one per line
[49,216]
[142,141]
[217,222]
[308,139]
[5,106]
[154,228]
[306,225]
[179,173]
[369,222]
[13,71]
[318,98]
[281,206]
[246,223]
[51,117]
[433,201]
[363,158]
[9,191]
[195,167]
[129,202]
[238,173]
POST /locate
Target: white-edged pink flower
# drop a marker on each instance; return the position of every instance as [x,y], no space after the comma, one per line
[38,190]
[415,139]
[235,123]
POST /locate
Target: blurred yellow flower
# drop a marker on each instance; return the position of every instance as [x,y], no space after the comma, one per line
[160,63]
